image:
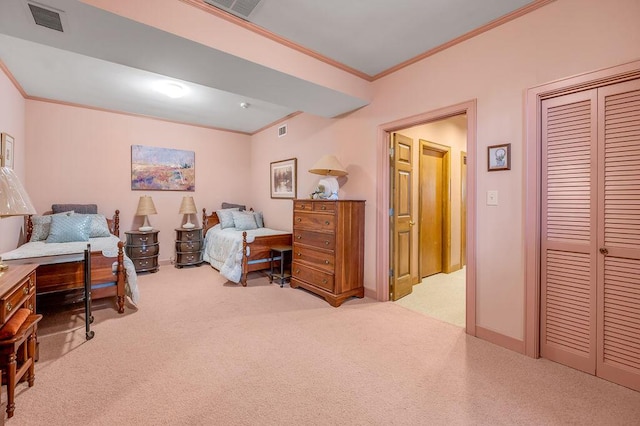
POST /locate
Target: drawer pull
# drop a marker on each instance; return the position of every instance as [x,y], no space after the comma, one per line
[298,220]
[326,243]
[299,254]
[324,207]
[9,306]
[144,239]
[297,271]
[326,262]
[299,237]
[25,290]
[326,222]
[31,307]
[324,281]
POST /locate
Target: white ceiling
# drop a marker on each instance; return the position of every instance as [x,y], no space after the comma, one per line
[106,61]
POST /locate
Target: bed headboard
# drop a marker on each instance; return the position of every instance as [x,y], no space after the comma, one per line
[113,223]
[208,221]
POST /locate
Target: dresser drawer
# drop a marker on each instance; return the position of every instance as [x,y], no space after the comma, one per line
[303,205]
[324,206]
[11,301]
[188,245]
[315,239]
[316,258]
[314,221]
[142,251]
[142,239]
[312,276]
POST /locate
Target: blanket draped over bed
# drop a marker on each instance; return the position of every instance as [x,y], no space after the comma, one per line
[107,245]
[223,249]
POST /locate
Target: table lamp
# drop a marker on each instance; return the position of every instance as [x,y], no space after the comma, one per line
[188,207]
[145,208]
[14,200]
[330,167]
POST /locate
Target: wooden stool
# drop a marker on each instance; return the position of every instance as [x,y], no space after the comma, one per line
[18,353]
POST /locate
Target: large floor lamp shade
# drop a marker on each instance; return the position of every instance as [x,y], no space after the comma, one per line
[330,168]
[188,207]
[146,208]
[14,200]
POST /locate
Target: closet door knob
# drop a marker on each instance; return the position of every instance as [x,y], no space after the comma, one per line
[604,251]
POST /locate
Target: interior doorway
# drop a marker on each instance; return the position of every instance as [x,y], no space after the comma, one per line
[438,277]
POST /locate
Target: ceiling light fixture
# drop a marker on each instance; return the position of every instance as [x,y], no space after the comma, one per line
[244,105]
[171,88]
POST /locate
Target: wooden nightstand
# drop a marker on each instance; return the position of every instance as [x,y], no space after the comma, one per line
[143,249]
[188,247]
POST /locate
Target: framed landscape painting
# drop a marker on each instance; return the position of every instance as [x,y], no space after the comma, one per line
[162,169]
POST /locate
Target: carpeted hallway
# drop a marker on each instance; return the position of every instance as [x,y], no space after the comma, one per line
[199,351]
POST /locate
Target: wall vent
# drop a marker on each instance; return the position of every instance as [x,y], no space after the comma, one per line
[240,8]
[282,130]
[48,18]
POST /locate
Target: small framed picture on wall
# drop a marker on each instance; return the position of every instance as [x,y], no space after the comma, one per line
[7,150]
[499,157]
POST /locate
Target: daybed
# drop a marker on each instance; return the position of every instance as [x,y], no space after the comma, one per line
[237,250]
[60,258]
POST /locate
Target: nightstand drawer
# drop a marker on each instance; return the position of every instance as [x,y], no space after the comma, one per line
[142,251]
[188,245]
[142,238]
[145,263]
[316,258]
[188,258]
[190,235]
[312,276]
[315,239]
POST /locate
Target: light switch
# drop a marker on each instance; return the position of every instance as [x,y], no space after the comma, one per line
[492,198]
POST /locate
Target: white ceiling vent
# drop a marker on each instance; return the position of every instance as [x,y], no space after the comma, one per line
[240,8]
[282,130]
[46,16]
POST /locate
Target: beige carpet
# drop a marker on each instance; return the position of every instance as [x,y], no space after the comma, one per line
[201,352]
[441,296]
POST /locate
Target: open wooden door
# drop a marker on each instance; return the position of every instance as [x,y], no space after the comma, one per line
[401,250]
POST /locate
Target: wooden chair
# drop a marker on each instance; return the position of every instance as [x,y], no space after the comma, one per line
[18,357]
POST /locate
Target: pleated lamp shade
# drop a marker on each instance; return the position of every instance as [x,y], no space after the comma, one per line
[14,200]
[145,208]
[188,207]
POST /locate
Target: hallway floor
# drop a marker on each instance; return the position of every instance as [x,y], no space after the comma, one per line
[441,296]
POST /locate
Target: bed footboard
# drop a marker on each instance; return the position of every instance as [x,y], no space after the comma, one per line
[260,252]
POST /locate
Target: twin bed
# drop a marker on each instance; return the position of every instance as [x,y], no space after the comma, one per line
[236,252]
[61,263]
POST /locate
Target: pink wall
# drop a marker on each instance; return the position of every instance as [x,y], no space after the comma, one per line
[12,121]
[495,68]
[79,155]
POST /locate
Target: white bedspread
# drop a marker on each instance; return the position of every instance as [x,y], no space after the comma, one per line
[107,245]
[223,249]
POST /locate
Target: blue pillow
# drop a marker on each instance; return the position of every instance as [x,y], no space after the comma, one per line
[259,219]
[225,217]
[65,229]
[244,221]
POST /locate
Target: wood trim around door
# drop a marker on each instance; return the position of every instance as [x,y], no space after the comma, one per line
[533,144]
[382,198]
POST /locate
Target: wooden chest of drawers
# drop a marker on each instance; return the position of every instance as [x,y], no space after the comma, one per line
[17,290]
[328,248]
[143,250]
[188,247]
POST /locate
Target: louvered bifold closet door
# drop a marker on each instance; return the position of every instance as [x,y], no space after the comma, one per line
[619,234]
[568,237]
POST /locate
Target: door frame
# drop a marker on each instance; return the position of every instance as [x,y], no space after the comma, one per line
[382,198]
[533,213]
[446,204]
